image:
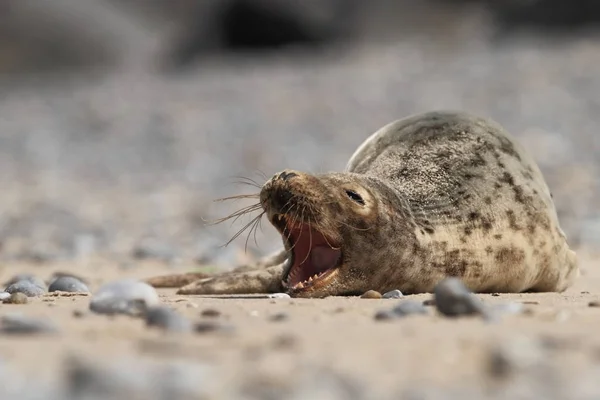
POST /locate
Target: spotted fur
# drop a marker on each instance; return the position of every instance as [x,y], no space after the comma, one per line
[447,194]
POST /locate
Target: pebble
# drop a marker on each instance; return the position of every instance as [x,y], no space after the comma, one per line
[429,302]
[453,299]
[278,296]
[371,294]
[594,303]
[20,325]
[393,294]
[127,296]
[384,315]
[211,312]
[16,298]
[279,317]
[4,296]
[409,307]
[285,341]
[27,277]
[167,319]
[208,327]
[68,284]
[403,309]
[27,288]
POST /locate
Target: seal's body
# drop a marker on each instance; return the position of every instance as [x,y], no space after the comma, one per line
[426,197]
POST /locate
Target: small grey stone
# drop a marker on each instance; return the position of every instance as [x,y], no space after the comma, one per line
[26,277]
[208,327]
[20,325]
[393,294]
[385,315]
[4,296]
[127,296]
[167,319]
[68,284]
[211,312]
[279,296]
[16,298]
[27,288]
[279,317]
[408,307]
[453,299]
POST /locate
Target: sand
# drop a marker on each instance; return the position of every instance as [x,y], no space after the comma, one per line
[337,334]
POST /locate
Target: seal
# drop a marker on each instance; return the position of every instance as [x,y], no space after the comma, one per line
[435,195]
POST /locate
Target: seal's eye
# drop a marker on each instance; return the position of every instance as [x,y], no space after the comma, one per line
[356,197]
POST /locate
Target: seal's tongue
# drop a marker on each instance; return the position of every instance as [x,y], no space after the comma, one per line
[323,258]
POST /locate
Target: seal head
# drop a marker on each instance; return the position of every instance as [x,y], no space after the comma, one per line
[333,226]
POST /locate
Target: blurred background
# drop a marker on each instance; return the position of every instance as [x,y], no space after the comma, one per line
[122,120]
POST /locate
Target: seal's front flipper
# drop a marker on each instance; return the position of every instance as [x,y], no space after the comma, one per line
[179,280]
[175,280]
[271,260]
[264,280]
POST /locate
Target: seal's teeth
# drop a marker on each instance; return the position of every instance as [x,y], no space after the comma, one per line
[315,276]
[300,285]
[310,279]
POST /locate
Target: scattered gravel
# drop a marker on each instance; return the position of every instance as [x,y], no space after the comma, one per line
[167,319]
[27,288]
[68,284]
[453,299]
[393,294]
[127,296]
[409,307]
[403,309]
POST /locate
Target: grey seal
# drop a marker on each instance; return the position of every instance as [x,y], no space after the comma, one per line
[435,195]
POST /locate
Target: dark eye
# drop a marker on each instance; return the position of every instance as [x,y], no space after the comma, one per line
[356,197]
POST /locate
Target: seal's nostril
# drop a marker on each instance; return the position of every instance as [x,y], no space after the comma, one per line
[287,175]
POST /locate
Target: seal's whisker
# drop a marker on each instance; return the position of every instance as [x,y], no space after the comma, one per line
[254,222]
[294,221]
[238,233]
[249,182]
[239,196]
[310,240]
[238,213]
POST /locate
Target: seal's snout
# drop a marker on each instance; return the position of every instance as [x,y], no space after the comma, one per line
[286,175]
[281,198]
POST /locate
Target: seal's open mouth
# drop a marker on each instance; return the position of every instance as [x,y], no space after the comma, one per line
[314,257]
